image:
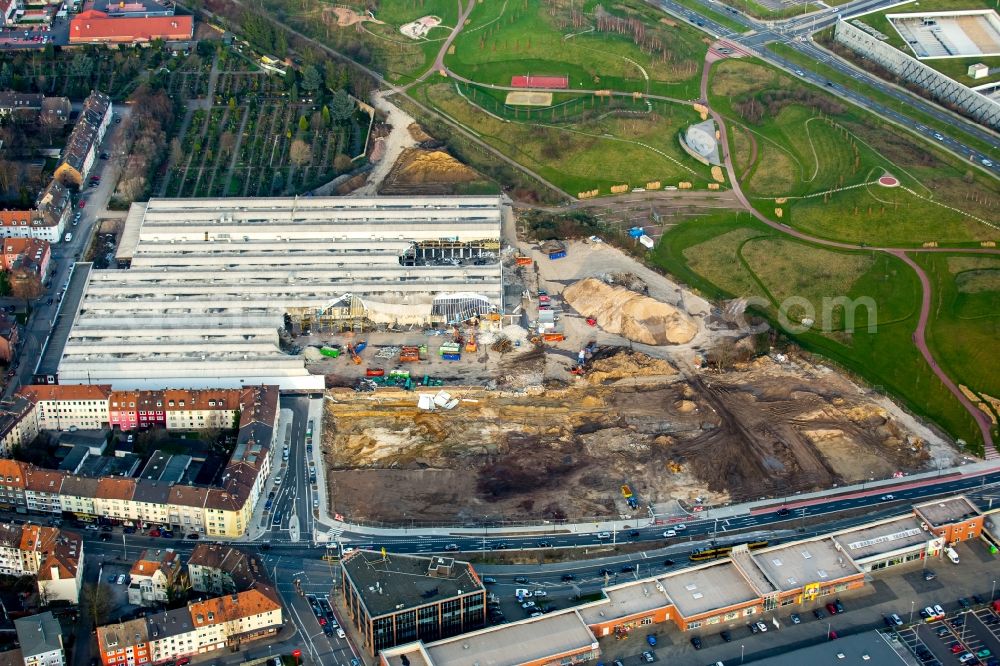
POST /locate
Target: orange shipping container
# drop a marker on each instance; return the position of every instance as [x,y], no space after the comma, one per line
[524,261]
[553,337]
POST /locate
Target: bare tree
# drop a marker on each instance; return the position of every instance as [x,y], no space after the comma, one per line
[27,286]
[95,598]
[300,152]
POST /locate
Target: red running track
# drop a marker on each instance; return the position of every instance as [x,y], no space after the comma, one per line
[530,81]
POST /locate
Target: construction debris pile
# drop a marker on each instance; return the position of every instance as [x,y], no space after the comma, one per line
[629,314]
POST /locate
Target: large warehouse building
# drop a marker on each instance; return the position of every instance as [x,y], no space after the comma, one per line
[206,284]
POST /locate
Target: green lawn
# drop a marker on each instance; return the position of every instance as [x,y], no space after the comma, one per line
[600,151]
[542,38]
[953,67]
[877,95]
[965,324]
[822,154]
[727,254]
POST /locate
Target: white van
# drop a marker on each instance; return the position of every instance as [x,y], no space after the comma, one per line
[68,237]
[952,555]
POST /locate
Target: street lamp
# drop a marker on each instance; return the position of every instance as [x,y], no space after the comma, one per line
[912,604]
[741,653]
[993,591]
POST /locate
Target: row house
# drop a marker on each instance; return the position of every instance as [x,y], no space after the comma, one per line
[69,406]
[53,557]
[155,577]
[84,141]
[40,638]
[221,569]
[17,425]
[198,628]
[219,511]
[124,643]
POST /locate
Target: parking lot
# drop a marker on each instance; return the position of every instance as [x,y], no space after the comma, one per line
[966,636]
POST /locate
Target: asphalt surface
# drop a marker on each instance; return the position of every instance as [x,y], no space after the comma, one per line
[64,255]
[795,32]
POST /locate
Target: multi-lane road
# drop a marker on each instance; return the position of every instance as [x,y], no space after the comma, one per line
[795,32]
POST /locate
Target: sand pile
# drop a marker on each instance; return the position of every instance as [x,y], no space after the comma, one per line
[627,364]
[634,316]
[431,166]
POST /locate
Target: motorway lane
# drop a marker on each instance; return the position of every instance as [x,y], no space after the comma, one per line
[794,33]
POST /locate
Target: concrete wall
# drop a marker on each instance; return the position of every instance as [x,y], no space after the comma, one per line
[908,68]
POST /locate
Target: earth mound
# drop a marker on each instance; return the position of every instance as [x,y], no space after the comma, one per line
[634,316]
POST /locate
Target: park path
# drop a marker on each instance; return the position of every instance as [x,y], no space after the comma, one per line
[920,334]
[236,149]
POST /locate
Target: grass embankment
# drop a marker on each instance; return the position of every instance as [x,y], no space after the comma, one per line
[627,46]
[850,83]
[956,68]
[965,322]
[727,255]
[822,155]
[599,151]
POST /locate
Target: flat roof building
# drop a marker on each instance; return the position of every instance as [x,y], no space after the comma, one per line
[395,599]
[210,282]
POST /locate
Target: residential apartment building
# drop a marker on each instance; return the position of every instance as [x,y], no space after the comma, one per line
[66,407]
[41,642]
[17,426]
[84,142]
[174,409]
[199,628]
[124,643]
[222,510]
[155,578]
[29,255]
[53,206]
[221,569]
[54,557]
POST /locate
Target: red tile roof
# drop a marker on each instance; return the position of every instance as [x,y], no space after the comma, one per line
[47,392]
[95,26]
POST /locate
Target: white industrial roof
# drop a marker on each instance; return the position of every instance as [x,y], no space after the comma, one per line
[210,280]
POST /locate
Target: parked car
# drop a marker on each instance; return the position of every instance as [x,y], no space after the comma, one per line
[696,642]
[929,575]
[489,580]
[167,534]
[105,536]
[121,579]
[840,606]
[964,603]
[726,636]
[154,532]
[795,618]
[762,627]
[648,657]
[651,639]
[193,536]
[752,626]
[831,609]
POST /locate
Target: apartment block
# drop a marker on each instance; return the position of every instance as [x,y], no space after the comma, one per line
[53,557]
[155,577]
[41,642]
[221,569]
[201,627]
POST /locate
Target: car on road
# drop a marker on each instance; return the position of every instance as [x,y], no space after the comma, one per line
[193,536]
[451,547]
[567,577]
[726,636]
[521,579]
[501,546]
[634,534]
[885,498]
[795,618]
[628,568]
[783,511]
[528,604]
[668,562]
[83,203]
[268,504]
[489,580]
[938,136]
[606,572]
[648,657]
[540,593]
[544,544]
[669,533]
[696,642]
[603,535]
[986,162]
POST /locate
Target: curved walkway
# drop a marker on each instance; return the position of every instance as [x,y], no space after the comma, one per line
[919,335]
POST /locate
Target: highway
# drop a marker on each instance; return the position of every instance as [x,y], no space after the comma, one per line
[795,32]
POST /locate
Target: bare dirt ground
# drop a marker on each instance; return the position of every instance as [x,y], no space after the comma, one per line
[562,453]
[531,441]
